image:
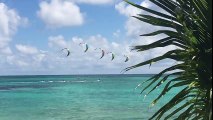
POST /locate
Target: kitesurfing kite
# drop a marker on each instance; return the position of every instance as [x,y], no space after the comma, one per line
[103,54]
[113,55]
[150,65]
[86,46]
[102,51]
[127,58]
[67,50]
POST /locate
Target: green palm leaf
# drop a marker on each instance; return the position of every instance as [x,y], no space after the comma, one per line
[190,23]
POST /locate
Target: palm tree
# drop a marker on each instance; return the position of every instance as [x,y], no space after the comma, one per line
[190,23]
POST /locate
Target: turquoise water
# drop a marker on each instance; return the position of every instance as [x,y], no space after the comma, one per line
[75,98]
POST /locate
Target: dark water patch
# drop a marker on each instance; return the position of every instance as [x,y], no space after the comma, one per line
[15,87]
[40,84]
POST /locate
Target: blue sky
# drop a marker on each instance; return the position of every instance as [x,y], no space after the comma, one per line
[32,33]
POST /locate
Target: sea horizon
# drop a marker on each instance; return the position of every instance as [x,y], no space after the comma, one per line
[79,75]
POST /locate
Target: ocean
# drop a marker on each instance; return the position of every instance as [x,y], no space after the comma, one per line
[87,97]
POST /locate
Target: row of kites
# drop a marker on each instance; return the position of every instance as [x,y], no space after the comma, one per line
[103,52]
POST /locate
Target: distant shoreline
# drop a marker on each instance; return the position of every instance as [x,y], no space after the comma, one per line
[81,75]
[90,75]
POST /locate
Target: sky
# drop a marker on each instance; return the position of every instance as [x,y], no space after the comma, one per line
[33,32]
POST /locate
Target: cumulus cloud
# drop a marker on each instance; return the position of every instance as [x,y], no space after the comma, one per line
[53,61]
[133,26]
[60,13]
[127,10]
[90,63]
[57,42]
[9,23]
[6,51]
[31,60]
[9,20]
[27,60]
[26,49]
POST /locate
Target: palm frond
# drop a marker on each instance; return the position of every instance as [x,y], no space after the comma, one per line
[190,30]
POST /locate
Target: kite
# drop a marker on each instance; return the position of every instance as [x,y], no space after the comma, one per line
[103,52]
[86,45]
[150,65]
[113,55]
[87,48]
[127,58]
[68,51]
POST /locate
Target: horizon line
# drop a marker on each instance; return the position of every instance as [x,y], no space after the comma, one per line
[72,75]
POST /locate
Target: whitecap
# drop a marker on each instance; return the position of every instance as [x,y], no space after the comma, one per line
[62,81]
[79,81]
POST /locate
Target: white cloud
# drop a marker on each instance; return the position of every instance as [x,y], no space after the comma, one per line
[133,26]
[57,42]
[89,63]
[127,10]
[9,20]
[60,13]
[9,23]
[54,62]
[22,63]
[29,50]
[6,51]
[30,60]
